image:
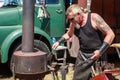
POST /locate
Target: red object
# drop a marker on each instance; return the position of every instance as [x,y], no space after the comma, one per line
[107,75]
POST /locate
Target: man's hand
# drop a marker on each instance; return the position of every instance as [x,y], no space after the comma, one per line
[55,45]
[96,55]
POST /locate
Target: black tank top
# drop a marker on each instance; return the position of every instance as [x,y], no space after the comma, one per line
[89,38]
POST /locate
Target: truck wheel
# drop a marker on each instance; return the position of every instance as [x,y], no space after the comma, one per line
[38,45]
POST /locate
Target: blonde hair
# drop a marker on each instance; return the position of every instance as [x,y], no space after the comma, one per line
[74,8]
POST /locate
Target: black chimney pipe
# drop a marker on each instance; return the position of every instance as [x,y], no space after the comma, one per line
[28,26]
[29,63]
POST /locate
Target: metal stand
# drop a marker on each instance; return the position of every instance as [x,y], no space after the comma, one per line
[64,70]
[64,66]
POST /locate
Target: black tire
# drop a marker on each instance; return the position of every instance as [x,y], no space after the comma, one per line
[38,45]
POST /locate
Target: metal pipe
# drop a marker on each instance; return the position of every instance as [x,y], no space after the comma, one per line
[89,4]
[28,26]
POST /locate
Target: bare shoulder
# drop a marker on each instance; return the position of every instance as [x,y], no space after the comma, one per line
[97,18]
[100,23]
[95,15]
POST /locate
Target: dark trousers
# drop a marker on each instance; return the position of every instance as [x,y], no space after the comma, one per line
[83,66]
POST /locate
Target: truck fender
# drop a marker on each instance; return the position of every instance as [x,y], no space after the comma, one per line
[13,36]
[7,43]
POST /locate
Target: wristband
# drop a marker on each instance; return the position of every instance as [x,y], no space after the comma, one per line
[104,47]
[62,39]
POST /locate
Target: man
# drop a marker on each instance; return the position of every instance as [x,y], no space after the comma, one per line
[89,28]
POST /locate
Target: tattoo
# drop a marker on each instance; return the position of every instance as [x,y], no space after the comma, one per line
[101,24]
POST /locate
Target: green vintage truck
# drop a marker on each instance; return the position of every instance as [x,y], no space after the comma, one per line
[44,27]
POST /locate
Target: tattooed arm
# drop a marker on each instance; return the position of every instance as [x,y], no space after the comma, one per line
[105,29]
[100,24]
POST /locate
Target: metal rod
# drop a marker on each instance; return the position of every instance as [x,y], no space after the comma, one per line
[28,26]
[88,4]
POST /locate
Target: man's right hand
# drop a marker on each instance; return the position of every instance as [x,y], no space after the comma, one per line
[55,45]
[96,55]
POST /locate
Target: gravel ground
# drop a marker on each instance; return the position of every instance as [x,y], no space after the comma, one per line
[4,74]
